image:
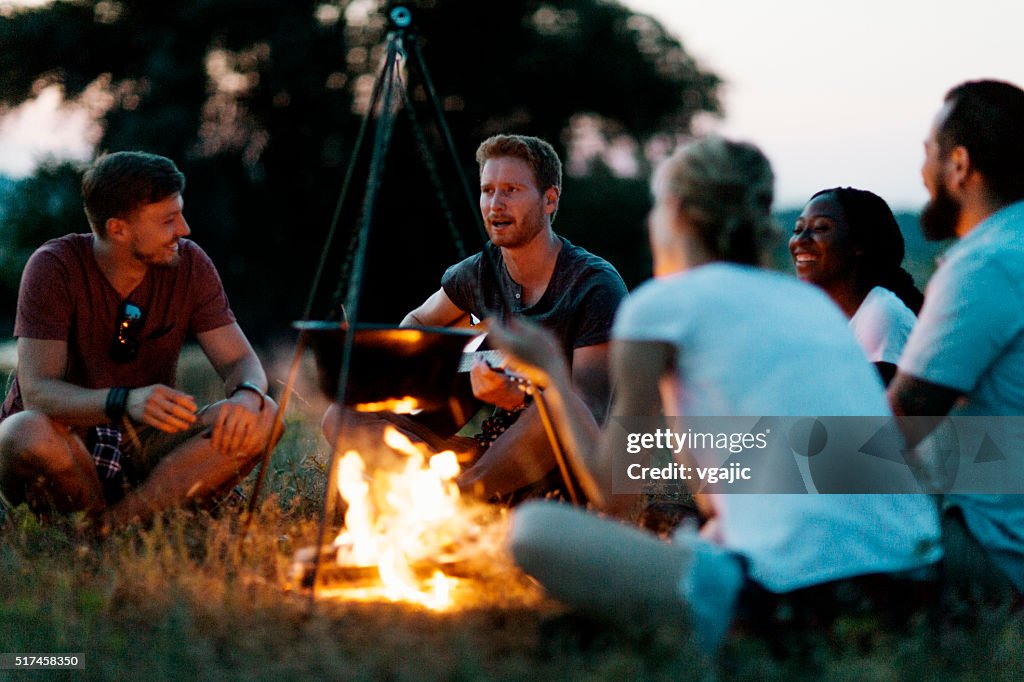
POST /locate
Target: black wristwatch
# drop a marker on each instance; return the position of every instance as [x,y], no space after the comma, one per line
[249,386]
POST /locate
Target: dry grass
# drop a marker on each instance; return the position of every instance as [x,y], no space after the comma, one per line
[185,598]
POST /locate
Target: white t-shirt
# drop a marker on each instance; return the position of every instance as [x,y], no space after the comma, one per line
[881,325]
[970,337]
[754,343]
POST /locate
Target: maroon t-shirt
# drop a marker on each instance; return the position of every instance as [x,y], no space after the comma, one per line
[65,297]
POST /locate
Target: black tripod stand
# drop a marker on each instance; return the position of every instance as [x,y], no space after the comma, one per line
[388,92]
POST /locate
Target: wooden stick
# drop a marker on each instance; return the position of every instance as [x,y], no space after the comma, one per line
[556,447]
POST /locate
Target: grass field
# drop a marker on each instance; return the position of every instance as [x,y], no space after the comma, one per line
[185,599]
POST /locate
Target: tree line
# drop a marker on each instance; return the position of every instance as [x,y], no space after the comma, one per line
[259,102]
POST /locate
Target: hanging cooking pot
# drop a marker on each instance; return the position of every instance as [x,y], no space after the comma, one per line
[397,369]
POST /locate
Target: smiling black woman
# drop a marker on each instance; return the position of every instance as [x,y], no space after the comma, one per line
[848,242]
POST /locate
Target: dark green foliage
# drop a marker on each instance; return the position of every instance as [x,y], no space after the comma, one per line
[33,210]
[38,208]
[609,216]
[265,148]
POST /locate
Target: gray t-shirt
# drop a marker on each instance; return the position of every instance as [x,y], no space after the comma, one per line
[578,305]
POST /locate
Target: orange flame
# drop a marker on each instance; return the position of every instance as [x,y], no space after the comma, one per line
[398,520]
[405,405]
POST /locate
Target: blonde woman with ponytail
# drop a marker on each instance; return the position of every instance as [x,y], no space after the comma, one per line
[714,335]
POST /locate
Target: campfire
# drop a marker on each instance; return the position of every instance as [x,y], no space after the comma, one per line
[408,535]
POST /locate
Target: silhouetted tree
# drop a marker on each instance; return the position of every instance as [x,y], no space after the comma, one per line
[259,103]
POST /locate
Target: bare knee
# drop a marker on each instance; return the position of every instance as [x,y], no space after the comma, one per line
[43,464]
[330,425]
[31,441]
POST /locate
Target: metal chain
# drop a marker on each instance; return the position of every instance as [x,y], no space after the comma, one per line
[435,178]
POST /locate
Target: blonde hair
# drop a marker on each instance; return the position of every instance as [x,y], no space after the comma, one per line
[725,191]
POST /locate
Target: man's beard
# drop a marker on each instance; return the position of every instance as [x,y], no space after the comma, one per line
[940,215]
[528,228]
[158,260]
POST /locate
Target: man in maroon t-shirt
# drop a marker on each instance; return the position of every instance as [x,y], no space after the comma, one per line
[92,421]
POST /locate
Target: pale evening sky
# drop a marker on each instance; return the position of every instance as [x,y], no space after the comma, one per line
[843,93]
[835,93]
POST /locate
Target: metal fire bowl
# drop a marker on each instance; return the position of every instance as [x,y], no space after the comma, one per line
[389,363]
